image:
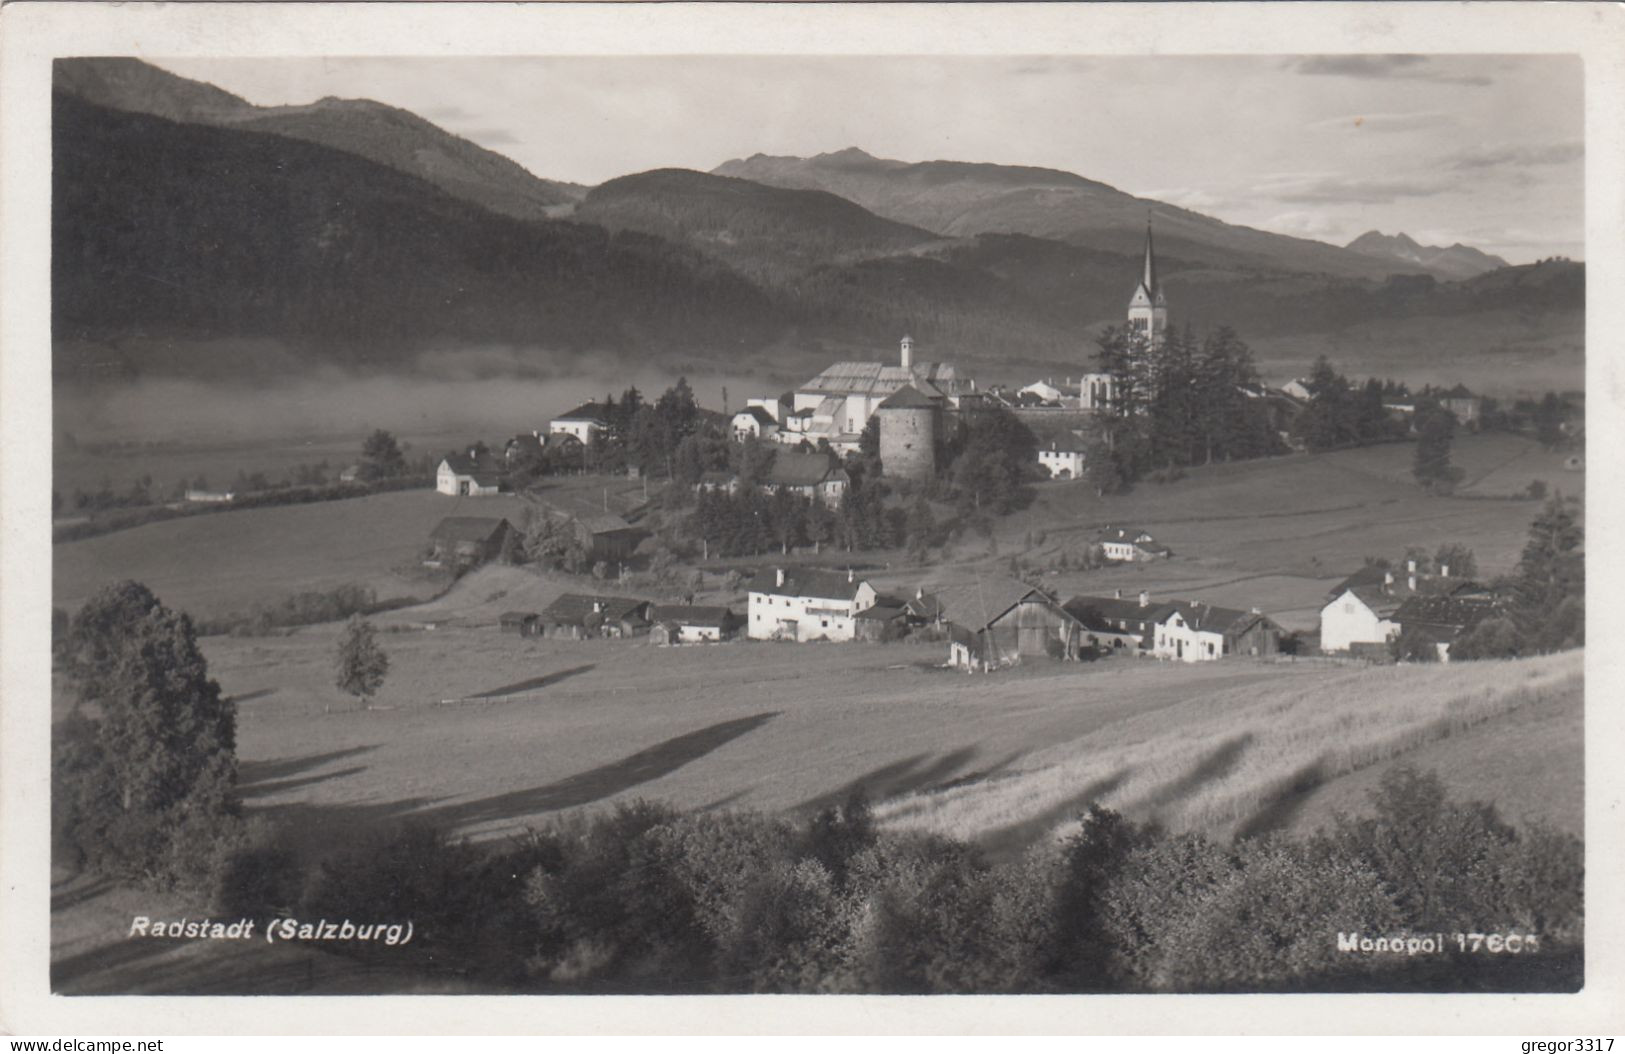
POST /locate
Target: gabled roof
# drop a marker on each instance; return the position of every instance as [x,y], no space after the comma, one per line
[762,416]
[595,412]
[977,603]
[875,378]
[573,608]
[468,528]
[524,442]
[691,615]
[1445,612]
[1088,609]
[924,606]
[516,616]
[880,613]
[821,583]
[486,469]
[1137,535]
[1210,619]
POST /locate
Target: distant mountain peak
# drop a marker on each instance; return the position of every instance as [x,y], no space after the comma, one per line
[851,153]
[1454,261]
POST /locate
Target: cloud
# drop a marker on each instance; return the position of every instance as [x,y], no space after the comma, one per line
[1352,190]
[1301,224]
[1387,122]
[1517,156]
[1383,67]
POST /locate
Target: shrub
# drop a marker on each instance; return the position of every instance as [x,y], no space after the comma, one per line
[1495,638]
[1271,923]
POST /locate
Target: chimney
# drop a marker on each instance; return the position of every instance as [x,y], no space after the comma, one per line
[849,574]
[1444,570]
[919,592]
[1145,598]
[598,606]
[908,352]
[778,577]
[1118,594]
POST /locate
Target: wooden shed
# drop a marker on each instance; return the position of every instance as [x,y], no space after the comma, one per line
[524,623]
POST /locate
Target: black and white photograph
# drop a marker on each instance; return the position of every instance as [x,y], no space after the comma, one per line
[871,519]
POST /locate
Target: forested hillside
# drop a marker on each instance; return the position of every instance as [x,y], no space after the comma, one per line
[188,230]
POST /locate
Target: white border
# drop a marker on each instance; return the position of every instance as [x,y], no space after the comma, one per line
[31,34]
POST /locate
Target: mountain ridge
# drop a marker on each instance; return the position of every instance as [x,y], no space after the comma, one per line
[1455,261]
[377,131]
[960,198]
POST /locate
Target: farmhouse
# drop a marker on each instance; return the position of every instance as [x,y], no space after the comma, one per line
[1467,408]
[999,622]
[522,447]
[1359,616]
[576,616]
[687,624]
[1442,620]
[582,422]
[467,540]
[882,621]
[807,475]
[472,475]
[1192,632]
[1118,623]
[1130,545]
[755,421]
[806,604]
[924,609]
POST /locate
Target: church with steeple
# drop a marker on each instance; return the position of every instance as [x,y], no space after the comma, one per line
[1148,308]
[1147,319]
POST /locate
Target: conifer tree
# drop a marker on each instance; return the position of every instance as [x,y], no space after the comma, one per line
[155,770]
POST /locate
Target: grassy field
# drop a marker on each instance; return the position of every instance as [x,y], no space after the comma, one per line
[1277,534]
[222,562]
[488,732]
[1250,760]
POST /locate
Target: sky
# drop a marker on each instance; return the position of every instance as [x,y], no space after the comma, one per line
[1487,150]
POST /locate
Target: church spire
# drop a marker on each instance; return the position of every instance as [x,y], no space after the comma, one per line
[1148,310]
[1149,279]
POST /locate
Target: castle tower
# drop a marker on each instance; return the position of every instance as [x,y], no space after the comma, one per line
[908,435]
[1148,309]
[908,352]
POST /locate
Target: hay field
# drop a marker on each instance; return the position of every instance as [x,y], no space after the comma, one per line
[1248,760]
[488,733]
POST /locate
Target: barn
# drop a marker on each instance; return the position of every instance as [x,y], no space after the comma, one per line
[577,616]
[1001,622]
[467,540]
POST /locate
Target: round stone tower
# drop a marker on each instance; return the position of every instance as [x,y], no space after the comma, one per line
[908,435]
